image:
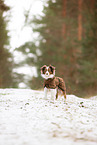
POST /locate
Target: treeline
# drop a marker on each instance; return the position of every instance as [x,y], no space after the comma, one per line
[7,77]
[68,40]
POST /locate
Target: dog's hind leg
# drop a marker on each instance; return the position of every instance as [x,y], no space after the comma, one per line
[57,94]
[64,93]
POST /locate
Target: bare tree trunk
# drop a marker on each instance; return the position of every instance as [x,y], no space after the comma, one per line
[92,5]
[0,82]
[64,14]
[80,20]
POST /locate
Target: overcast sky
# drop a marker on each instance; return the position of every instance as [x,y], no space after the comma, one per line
[19,34]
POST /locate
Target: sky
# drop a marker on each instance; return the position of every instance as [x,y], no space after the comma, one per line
[20,34]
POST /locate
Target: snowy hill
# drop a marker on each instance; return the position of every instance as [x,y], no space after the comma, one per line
[27,119]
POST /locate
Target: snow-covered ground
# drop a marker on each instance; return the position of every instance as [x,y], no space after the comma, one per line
[27,119]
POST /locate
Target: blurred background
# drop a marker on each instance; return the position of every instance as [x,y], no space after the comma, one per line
[58,32]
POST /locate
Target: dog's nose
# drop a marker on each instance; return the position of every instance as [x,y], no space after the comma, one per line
[47,73]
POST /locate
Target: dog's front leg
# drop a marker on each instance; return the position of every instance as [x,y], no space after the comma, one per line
[53,94]
[45,93]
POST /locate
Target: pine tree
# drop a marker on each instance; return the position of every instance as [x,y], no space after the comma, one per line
[88,69]
[6,60]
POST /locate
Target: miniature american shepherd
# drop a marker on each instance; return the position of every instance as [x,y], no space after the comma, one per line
[52,82]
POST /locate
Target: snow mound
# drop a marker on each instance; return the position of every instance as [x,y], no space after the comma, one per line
[27,119]
[94,98]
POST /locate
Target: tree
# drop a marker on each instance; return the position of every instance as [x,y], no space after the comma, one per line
[6,60]
[88,69]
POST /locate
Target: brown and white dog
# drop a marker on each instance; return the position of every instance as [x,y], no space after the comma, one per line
[51,82]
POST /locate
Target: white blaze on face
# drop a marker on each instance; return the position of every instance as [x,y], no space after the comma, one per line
[47,72]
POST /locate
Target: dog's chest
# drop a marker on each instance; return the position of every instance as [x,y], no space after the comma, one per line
[51,83]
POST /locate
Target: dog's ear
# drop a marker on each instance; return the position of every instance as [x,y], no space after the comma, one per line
[43,68]
[52,68]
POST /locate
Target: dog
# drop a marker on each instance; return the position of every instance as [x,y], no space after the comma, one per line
[51,82]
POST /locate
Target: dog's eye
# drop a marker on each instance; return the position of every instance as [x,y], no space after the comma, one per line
[50,70]
[43,70]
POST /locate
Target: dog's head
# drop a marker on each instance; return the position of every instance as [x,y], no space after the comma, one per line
[47,71]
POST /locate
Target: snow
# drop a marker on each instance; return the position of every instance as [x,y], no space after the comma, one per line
[26,119]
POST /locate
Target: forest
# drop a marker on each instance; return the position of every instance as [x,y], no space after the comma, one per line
[67,39]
